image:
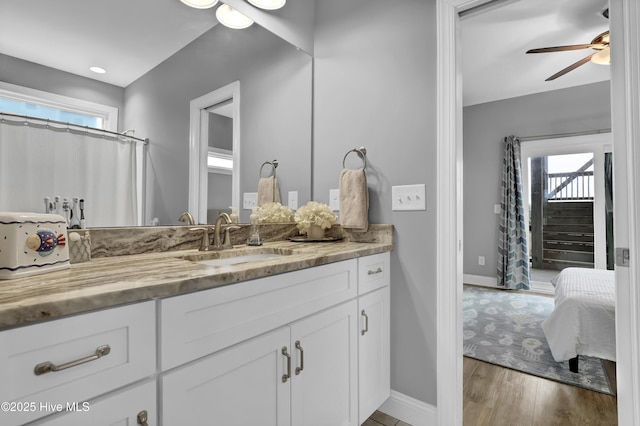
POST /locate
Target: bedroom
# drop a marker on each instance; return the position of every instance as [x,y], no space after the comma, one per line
[572,108]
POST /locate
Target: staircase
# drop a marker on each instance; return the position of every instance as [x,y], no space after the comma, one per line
[567,235]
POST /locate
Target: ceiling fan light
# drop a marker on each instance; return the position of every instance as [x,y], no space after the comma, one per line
[200,4]
[229,17]
[268,4]
[603,57]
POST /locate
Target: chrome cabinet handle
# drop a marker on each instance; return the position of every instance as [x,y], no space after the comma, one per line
[143,417]
[47,367]
[377,271]
[287,376]
[366,322]
[299,347]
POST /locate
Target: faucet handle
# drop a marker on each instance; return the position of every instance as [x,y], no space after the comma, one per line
[204,244]
[227,238]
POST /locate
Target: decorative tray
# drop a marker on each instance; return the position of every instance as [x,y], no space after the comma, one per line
[305,239]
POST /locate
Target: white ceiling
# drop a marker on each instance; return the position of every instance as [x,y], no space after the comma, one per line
[130,37]
[126,37]
[494,42]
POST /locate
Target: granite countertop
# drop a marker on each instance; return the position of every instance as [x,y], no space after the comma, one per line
[112,281]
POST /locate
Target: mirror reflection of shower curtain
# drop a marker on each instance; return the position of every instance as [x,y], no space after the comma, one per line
[101,170]
[608,193]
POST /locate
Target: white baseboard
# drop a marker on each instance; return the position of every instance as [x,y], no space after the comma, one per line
[480,280]
[409,410]
[484,281]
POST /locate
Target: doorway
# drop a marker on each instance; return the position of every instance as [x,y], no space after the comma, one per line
[564,185]
[626,125]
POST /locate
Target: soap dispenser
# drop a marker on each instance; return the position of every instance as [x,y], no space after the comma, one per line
[254,238]
[234,214]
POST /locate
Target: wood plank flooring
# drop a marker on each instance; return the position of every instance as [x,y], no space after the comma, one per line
[495,396]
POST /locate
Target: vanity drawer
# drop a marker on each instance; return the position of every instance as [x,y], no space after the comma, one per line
[128,332]
[373,272]
[201,323]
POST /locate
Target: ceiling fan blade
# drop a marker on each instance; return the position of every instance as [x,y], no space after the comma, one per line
[570,67]
[565,48]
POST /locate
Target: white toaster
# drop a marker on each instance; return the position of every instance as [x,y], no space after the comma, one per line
[32,243]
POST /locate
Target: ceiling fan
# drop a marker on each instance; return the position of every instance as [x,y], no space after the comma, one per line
[601,55]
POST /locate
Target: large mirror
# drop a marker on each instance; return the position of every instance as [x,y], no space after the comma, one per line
[275,87]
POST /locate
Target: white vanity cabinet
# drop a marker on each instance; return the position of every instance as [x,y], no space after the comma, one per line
[374,333]
[135,405]
[300,374]
[58,365]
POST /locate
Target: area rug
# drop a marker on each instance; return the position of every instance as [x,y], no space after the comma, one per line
[503,327]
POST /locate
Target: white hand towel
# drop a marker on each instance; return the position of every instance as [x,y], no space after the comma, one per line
[354,200]
[268,191]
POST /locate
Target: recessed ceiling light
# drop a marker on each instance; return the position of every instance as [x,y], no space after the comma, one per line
[200,4]
[97,70]
[268,4]
[229,17]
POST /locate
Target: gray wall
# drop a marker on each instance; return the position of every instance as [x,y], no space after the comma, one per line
[36,76]
[374,85]
[275,93]
[220,132]
[575,109]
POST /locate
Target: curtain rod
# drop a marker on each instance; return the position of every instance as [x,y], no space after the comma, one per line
[564,135]
[85,128]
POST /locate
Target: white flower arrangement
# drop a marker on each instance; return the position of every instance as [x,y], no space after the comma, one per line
[274,212]
[314,213]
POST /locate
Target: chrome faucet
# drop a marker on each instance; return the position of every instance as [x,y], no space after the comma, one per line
[226,244]
[187,217]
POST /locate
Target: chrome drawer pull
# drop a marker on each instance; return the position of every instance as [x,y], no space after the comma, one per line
[47,367]
[377,271]
[287,376]
[299,347]
[366,322]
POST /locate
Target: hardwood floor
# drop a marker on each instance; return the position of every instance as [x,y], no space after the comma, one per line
[495,395]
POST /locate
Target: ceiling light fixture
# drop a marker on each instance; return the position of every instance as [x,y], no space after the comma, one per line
[268,4]
[229,17]
[98,70]
[200,4]
[603,57]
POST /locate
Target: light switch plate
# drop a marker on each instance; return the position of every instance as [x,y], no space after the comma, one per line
[408,197]
[334,199]
[496,208]
[249,200]
[292,200]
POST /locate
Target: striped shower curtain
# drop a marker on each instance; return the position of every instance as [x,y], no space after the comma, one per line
[513,252]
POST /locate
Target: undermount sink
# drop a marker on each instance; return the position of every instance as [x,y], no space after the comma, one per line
[236,256]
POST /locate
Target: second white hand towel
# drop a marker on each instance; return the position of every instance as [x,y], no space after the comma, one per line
[268,191]
[354,200]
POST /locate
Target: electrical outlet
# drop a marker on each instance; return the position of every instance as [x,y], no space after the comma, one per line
[249,200]
[408,197]
[334,199]
[292,200]
[481,260]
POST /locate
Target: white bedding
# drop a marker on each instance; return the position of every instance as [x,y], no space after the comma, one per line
[583,320]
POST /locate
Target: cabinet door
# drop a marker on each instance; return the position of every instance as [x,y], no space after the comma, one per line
[242,385]
[118,408]
[373,352]
[324,383]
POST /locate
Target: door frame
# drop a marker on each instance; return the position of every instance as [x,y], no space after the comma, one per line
[625,98]
[597,144]
[199,148]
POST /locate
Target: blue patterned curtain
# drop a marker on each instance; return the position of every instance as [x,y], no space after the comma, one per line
[513,252]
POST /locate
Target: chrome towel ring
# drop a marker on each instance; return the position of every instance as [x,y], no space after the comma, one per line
[362,153]
[273,164]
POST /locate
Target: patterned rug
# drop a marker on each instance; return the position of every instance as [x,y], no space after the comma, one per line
[503,327]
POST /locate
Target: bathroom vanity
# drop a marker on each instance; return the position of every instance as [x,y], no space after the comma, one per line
[300,338]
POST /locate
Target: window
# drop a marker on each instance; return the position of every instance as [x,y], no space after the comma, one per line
[36,103]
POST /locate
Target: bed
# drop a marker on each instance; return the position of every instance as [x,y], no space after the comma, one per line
[583,320]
